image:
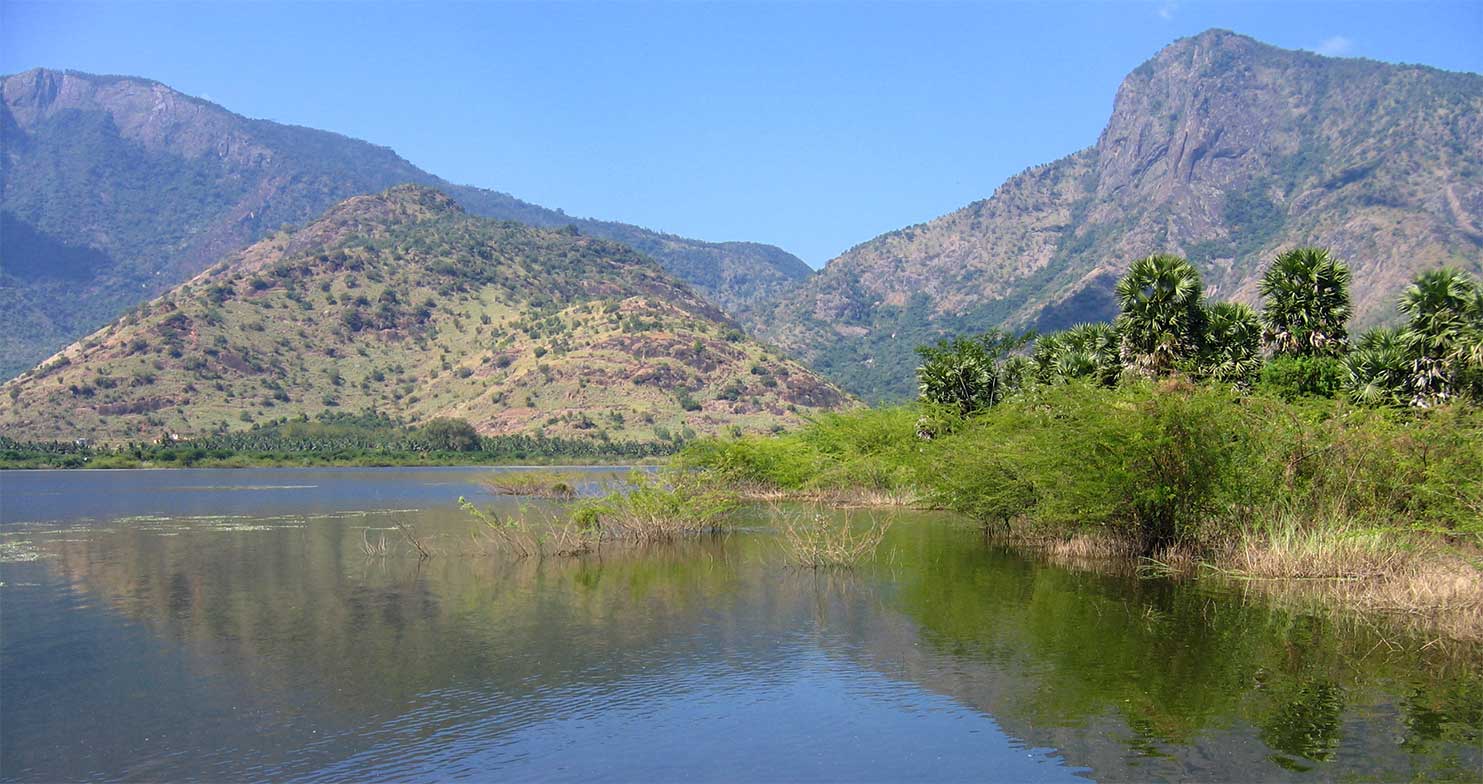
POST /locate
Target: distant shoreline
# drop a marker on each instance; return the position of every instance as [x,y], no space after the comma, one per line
[115,463]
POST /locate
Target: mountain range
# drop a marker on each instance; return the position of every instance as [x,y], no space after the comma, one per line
[116,189]
[113,189]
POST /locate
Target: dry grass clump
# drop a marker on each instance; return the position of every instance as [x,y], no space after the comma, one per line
[534,484]
[1432,586]
[815,539]
[832,496]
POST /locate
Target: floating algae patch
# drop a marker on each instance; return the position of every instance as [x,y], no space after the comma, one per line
[20,552]
[218,488]
[145,519]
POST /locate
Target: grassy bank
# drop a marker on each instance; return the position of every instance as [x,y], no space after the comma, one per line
[1382,507]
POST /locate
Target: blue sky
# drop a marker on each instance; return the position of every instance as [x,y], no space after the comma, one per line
[813,126]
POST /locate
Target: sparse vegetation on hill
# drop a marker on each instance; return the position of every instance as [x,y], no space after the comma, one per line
[403,303]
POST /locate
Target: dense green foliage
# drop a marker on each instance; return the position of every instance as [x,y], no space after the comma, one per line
[1436,357]
[1162,320]
[1297,376]
[1085,351]
[1171,462]
[1165,328]
[1231,351]
[1152,429]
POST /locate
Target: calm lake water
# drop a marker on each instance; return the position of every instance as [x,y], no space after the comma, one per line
[227,625]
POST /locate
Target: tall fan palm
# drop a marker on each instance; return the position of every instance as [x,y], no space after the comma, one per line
[1441,328]
[1377,368]
[1307,304]
[1083,351]
[1233,344]
[1162,322]
[970,374]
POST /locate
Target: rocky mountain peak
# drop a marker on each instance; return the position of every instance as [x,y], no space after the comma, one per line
[1219,148]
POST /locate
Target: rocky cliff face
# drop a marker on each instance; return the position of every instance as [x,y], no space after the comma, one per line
[1220,148]
[116,188]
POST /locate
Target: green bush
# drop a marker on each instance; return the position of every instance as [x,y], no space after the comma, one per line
[1150,463]
[1292,377]
[873,449]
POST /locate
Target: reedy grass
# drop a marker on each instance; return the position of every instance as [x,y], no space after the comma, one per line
[534,484]
[376,549]
[519,536]
[1420,578]
[814,539]
[652,508]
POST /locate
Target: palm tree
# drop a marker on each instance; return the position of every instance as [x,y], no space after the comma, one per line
[970,374]
[1232,350]
[1442,325]
[1377,368]
[1162,322]
[1307,304]
[1083,351]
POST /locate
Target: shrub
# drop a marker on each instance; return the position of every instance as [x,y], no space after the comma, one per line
[1148,463]
[1291,377]
[450,435]
[657,508]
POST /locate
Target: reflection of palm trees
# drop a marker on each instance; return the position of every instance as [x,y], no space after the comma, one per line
[1306,723]
[1173,662]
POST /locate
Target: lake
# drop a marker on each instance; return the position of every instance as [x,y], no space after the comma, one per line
[229,625]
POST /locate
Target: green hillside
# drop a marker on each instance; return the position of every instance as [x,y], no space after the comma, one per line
[403,303]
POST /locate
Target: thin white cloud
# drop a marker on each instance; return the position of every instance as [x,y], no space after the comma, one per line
[1167,9]
[1335,46]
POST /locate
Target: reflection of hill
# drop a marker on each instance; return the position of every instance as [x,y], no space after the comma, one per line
[1134,679]
[391,627]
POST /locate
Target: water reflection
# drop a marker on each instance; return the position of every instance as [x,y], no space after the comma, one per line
[275,648]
